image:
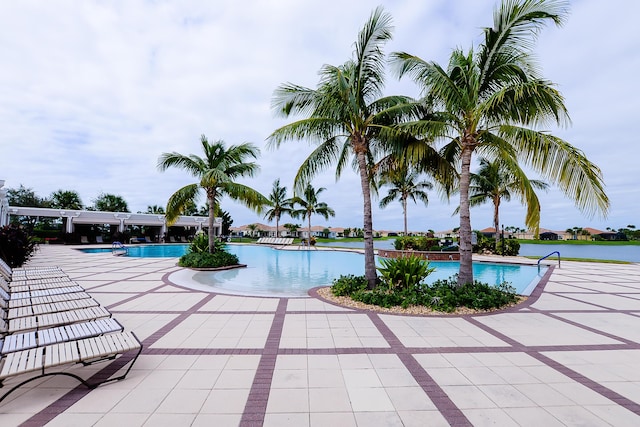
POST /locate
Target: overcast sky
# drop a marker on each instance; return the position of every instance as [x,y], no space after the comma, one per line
[93,92]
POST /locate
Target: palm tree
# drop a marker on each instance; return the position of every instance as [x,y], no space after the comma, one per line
[216,173]
[493,101]
[279,204]
[404,186]
[496,181]
[292,228]
[346,117]
[310,205]
[110,203]
[155,209]
[65,199]
[253,228]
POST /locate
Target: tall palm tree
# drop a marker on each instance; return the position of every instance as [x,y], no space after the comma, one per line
[279,204]
[404,186]
[345,116]
[496,181]
[493,101]
[310,205]
[216,173]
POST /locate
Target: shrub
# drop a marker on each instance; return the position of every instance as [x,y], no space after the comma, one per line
[442,295]
[219,258]
[200,243]
[404,272]
[16,246]
[349,284]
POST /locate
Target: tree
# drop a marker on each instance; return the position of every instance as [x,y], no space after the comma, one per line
[216,173]
[155,209]
[346,117]
[279,204]
[227,221]
[404,186]
[253,228]
[25,197]
[66,199]
[496,181]
[110,203]
[309,205]
[493,101]
[292,228]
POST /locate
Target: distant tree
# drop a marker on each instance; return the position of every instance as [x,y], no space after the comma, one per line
[347,232]
[25,197]
[309,205]
[278,204]
[292,228]
[110,203]
[404,186]
[155,209]
[66,199]
[253,228]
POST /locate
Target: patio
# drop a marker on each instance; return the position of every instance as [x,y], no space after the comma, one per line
[572,357]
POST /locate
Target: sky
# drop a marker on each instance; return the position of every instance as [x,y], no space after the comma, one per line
[93,92]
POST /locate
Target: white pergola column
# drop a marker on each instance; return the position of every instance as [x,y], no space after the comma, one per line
[4,205]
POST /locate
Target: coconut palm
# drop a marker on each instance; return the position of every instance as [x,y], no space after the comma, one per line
[498,180]
[155,209]
[309,205]
[216,173]
[493,101]
[346,117]
[404,186]
[279,204]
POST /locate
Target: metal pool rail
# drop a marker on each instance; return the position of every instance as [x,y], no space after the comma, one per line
[547,256]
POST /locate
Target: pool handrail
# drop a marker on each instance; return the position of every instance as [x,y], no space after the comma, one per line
[547,256]
[117,248]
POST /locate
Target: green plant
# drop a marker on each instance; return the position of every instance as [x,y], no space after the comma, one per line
[404,272]
[208,260]
[347,285]
[16,246]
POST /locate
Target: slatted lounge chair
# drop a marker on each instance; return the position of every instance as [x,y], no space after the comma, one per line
[56,307]
[76,331]
[99,239]
[47,299]
[49,320]
[42,360]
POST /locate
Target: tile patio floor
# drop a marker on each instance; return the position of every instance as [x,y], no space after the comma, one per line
[571,357]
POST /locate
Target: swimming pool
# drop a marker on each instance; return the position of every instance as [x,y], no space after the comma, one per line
[292,273]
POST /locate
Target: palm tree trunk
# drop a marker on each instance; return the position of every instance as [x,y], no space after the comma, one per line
[212,217]
[277,218]
[496,220]
[369,261]
[309,233]
[404,212]
[465,274]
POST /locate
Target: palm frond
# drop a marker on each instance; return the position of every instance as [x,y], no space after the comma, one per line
[179,201]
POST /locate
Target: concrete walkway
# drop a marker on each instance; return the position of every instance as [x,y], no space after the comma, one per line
[572,357]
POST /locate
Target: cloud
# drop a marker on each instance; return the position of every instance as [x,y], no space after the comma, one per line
[94,92]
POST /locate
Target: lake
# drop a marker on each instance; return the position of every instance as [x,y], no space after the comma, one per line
[629,253]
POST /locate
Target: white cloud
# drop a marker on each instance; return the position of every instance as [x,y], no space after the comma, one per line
[93,92]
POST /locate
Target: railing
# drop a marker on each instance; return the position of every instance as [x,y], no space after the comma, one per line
[547,256]
[118,248]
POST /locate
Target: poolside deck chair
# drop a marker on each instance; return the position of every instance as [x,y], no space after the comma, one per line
[99,239]
[76,331]
[56,307]
[49,320]
[86,351]
[46,299]
[84,240]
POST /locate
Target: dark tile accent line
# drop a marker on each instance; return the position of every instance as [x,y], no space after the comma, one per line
[589,328]
[589,383]
[256,406]
[440,399]
[66,401]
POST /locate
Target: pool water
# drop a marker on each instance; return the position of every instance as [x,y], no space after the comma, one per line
[292,273]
